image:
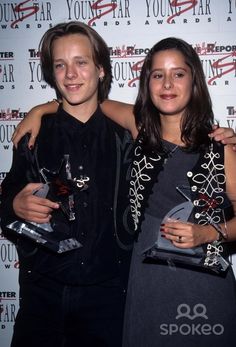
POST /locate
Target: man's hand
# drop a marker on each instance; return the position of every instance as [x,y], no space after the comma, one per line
[30,207]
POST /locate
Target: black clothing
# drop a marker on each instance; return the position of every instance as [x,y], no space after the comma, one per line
[67,316]
[101,150]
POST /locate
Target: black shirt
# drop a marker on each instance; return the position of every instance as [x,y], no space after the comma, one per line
[98,149]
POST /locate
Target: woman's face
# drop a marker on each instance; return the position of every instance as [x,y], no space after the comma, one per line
[170,83]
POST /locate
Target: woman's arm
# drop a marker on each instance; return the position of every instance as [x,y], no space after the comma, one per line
[120,113]
[230,172]
[32,122]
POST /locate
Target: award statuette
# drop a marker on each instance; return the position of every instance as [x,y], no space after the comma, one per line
[199,256]
[59,187]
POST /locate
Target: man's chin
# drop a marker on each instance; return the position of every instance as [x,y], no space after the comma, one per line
[73,102]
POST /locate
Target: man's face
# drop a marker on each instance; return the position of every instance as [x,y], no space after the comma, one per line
[75,73]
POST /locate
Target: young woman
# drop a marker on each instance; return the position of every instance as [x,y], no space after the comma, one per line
[170,304]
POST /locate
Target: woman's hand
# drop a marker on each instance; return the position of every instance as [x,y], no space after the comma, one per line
[32,122]
[224,135]
[188,235]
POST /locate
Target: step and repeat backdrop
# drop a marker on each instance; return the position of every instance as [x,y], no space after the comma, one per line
[130,28]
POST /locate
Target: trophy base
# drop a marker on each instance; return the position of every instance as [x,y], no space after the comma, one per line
[56,241]
[162,254]
[215,262]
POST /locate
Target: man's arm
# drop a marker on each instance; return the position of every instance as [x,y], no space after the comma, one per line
[18,200]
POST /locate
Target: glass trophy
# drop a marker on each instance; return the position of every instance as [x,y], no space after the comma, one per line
[59,187]
[205,256]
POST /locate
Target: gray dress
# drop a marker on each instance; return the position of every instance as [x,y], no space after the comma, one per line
[171,306]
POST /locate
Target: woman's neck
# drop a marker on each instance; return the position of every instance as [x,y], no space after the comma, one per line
[170,128]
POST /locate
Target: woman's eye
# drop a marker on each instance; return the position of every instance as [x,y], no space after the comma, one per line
[179,74]
[157,76]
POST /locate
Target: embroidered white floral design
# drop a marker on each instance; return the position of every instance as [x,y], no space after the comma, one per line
[210,201]
[213,257]
[139,175]
[211,183]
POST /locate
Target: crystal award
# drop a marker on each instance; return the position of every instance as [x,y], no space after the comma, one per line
[60,187]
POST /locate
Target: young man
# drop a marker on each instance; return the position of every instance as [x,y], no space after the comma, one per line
[75,298]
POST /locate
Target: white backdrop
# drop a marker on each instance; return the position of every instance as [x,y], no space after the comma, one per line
[130,27]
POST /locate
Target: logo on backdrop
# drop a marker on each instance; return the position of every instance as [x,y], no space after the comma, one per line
[231,11]
[7,77]
[177,12]
[219,62]
[9,119]
[127,62]
[40,14]
[102,12]
[8,255]
[11,114]
[26,14]
[231,116]
[8,308]
[35,73]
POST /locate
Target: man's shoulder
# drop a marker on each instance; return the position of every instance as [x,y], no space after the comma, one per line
[49,119]
[48,122]
[119,130]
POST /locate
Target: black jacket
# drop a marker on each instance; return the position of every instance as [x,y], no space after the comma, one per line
[101,150]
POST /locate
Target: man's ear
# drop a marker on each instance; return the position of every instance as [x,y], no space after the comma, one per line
[101,74]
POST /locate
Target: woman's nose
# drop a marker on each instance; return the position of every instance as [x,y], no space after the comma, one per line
[167,83]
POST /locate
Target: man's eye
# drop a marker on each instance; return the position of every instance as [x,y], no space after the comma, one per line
[81,62]
[59,66]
